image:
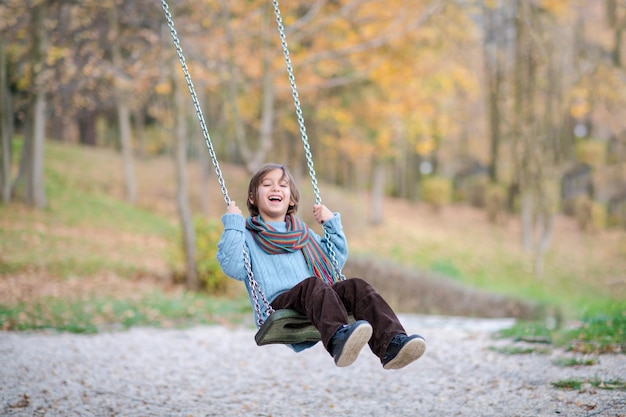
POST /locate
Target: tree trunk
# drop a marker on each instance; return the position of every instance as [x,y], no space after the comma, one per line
[526,216]
[182,197]
[31,170]
[6,129]
[140,124]
[38,194]
[18,188]
[616,23]
[267,114]
[123,112]
[123,117]
[494,78]
[251,157]
[378,192]
[545,228]
[521,120]
[86,121]
[205,177]
[203,161]
[536,116]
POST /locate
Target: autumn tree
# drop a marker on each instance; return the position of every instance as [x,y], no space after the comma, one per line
[16,82]
[177,116]
[30,180]
[496,43]
[393,106]
[6,127]
[616,18]
[182,188]
[253,147]
[539,111]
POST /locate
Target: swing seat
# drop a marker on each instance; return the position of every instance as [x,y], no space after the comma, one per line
[287,326]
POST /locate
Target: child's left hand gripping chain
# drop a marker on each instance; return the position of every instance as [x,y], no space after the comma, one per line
[233,209]
[322,213]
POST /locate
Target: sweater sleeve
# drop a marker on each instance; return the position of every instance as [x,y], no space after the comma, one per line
[337,238]
[231,246]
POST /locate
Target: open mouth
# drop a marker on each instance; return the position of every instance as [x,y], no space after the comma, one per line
[275,198]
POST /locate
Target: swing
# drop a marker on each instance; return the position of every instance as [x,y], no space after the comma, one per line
[284,326]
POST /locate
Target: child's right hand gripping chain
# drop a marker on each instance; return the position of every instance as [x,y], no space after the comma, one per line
[233,209]
[322,213]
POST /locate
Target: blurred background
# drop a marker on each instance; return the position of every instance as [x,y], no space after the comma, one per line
[469,145]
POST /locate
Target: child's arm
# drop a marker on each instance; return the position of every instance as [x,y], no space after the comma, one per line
[332,224]
[231,246]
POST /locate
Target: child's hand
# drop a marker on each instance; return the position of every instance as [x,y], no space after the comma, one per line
[233,209]
[322,213]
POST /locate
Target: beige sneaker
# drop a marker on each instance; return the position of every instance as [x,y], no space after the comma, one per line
[403,350]
[348,342]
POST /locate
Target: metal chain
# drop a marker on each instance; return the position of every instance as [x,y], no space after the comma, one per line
[305,141]
[337,274]
[254,285]
[256,289]
[296,101]
[196,105]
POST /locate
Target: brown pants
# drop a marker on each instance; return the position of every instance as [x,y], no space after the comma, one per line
[327,307]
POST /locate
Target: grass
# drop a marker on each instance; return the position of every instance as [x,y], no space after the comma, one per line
[88,229]
[156,309]
[507,272]
[582,271]
[522,331]
[85,227]
[578,384]
[570,384]
[92,251]
[520,350]
[573,362]
[598,331]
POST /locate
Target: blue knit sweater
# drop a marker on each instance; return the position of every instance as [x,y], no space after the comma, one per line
[275,274]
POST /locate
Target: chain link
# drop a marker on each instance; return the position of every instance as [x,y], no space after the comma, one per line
[296,101]
[337,274]
[305,140]
[196,105]
[254,286]
[255,289]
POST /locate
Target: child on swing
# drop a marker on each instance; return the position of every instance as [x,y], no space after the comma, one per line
[293,269]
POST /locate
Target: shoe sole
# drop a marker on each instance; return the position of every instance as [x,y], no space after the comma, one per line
[356,341]
[410,352]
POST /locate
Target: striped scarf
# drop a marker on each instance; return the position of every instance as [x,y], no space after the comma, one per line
[297,237]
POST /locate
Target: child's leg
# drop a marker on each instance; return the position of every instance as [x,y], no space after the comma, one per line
[365,303]
[319,302]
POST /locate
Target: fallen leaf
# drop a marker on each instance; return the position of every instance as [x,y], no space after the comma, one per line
[23,403]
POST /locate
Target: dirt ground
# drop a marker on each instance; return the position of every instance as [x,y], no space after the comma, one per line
[219,371]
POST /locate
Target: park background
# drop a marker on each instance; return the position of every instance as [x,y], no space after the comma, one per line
[476,151]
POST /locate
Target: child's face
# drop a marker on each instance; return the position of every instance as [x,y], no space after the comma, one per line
[273,196]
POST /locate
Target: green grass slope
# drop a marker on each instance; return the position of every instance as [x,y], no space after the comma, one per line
[92,248]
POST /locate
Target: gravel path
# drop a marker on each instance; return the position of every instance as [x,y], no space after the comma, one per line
[217,371]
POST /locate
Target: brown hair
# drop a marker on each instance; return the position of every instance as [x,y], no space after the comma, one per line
[256,180]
